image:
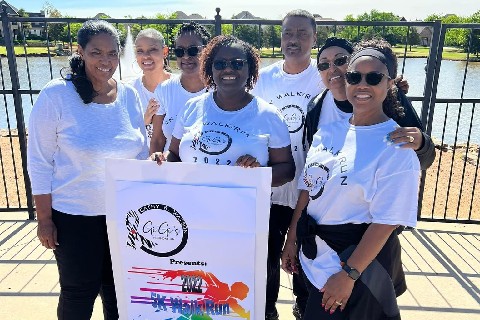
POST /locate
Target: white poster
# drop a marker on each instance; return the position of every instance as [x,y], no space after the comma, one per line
[188,241]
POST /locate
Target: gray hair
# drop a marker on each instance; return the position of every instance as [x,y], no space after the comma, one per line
[153,34]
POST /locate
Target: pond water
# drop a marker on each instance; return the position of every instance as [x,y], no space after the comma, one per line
[37,73]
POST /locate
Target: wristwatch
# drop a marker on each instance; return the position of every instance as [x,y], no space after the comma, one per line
[352,272]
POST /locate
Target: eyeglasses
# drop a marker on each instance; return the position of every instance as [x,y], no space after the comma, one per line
[372,78]
[191,51]
[340,61]
[235,64]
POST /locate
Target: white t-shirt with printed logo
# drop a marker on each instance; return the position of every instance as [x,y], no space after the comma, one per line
[172,98]
[290,93]
[145,96]
[330,112]
[209,134]
[353,176]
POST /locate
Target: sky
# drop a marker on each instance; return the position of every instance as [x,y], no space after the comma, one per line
[268,9]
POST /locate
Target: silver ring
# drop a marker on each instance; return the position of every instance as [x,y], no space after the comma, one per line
[411,139]
[338,303]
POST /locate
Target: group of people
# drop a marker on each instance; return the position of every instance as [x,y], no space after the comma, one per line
[345,156]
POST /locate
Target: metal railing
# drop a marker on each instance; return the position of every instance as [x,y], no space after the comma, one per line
[458,206]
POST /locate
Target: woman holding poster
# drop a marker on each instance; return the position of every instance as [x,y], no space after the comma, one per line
[228,125]
[76,123]
[357,188]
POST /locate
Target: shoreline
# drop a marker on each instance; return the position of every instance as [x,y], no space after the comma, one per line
[449,192]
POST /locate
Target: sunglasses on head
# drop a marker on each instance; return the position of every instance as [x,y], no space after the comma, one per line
[191,51]
[372,78]
[340,61]
[235,64]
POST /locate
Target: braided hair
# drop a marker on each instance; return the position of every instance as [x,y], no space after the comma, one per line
[194,28]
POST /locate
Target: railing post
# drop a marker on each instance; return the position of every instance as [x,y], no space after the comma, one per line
[435,47]
[430,91]
[218,22]
[17,100]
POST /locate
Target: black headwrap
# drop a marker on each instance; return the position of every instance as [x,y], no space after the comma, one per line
[336,42]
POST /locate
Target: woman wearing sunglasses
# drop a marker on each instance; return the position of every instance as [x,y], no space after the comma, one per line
[358,188]
[174,93]
[228,125]
[332,103]
[150,51]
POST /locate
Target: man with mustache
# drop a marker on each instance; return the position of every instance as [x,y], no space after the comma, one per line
[289,84]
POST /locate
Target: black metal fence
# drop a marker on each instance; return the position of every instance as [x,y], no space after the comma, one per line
[448,189]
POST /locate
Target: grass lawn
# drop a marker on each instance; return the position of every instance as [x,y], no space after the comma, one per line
[448,53]
[30,50]
[416,52]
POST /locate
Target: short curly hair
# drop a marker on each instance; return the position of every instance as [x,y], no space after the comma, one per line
[391,106]
[211,50]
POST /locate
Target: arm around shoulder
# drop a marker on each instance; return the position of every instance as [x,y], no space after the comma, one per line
[426,153]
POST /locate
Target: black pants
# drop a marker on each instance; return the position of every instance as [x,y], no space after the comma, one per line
[280,218]
[314,309]
[84,266]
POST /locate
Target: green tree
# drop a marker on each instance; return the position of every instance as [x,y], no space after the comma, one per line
[413,38]
[248,33]
[54,30]
[323,33]
[26,26]
[475,41]
[454,37]
[271,36]
[349,32]
[227,29]
[392,34]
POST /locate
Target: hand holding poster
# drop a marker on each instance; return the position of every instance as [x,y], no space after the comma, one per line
[188,241]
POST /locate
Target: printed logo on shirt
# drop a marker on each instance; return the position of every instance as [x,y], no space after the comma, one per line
[294,117]
[212,142]
[157,229]
[315,176]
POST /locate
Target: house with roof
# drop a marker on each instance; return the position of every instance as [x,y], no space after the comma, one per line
[34,28]
[426,34]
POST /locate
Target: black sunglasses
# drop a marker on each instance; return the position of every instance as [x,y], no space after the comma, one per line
[340,61]
[235,64]
[372,78]
[191,51]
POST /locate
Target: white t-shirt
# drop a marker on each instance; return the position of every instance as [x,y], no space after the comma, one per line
[330,112]
[353,176]
[212,135]
[172,97]
[145,96]
[69,141]
[290,93]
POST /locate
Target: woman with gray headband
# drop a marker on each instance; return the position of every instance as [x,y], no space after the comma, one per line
[359,187]
[332,105]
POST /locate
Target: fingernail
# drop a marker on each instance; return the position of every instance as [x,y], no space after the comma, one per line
[332,311]
[323,306]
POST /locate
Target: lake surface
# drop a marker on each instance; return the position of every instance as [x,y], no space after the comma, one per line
[450,86]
